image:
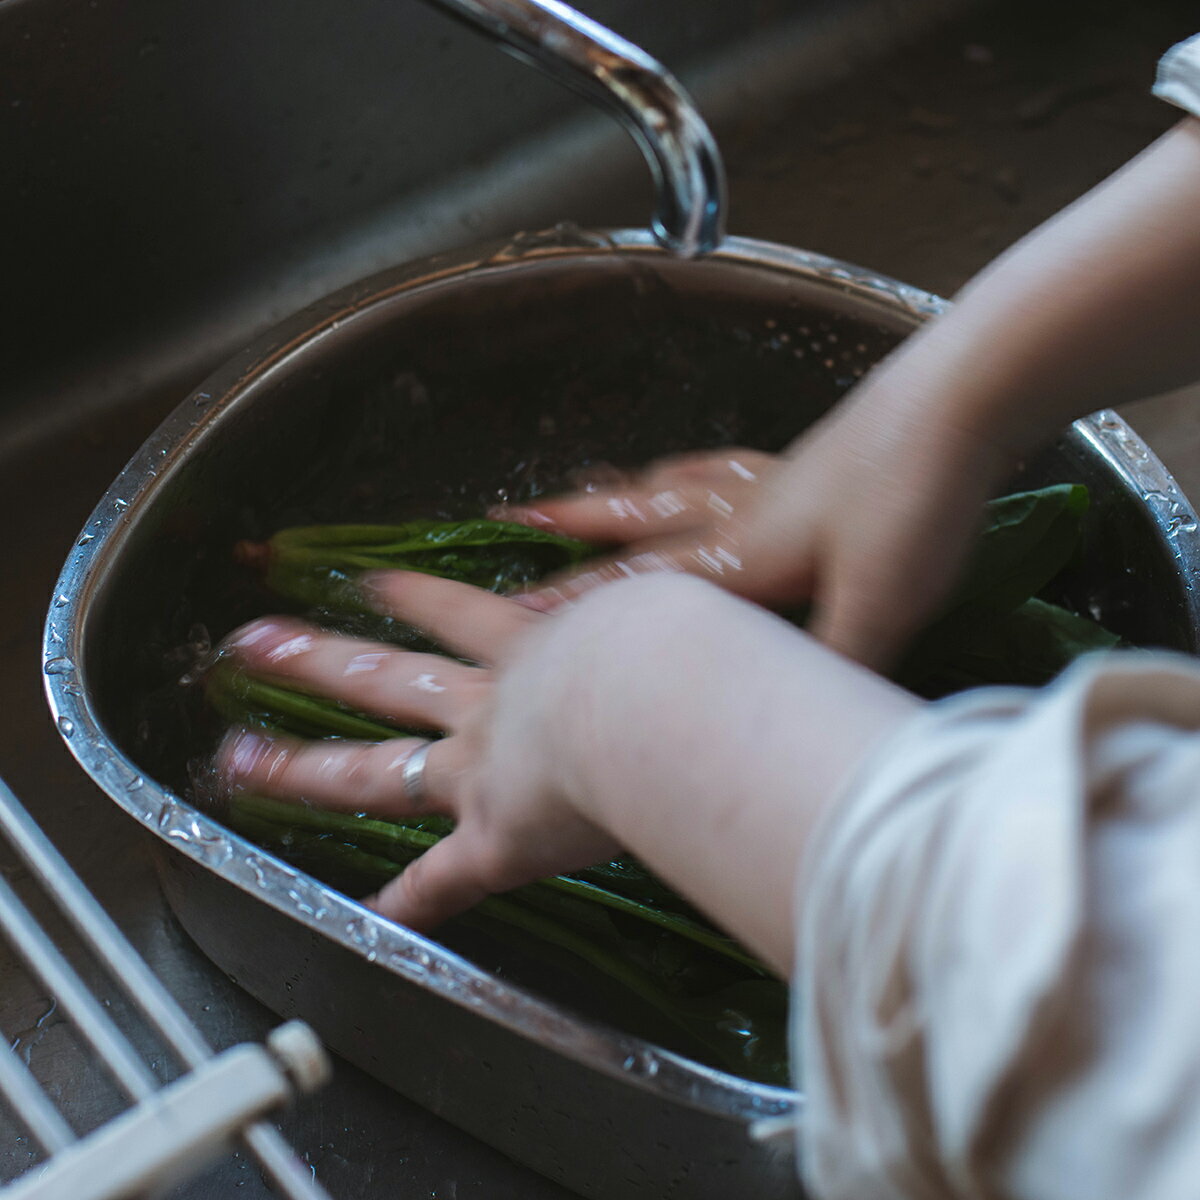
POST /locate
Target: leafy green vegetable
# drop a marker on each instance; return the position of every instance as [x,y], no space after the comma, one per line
[317,566]
[993,629]
[699,980]
[243,699]
[1027,539]
[1027,646]
[617,917]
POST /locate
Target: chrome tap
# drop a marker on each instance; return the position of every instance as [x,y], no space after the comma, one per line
[678,146]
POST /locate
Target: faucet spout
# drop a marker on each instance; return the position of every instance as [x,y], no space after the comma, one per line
[677,145]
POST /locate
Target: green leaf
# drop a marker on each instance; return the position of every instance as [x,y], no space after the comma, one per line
[243,699]
[1028,537]
[1027,647]
[734,1011]
[318,565]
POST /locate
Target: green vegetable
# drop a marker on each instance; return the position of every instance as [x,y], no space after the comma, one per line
[993,629]
[1027,646]
[317,566]
[244,700]
[1027,539]
[618,918]
[702,982]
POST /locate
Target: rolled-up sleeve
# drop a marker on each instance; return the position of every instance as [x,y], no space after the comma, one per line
[1178,79]
[998,975]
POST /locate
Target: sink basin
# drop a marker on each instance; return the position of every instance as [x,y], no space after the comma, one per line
[185,176]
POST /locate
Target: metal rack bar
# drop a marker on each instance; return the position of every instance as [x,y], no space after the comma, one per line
[123,964]
[45,960]
[126,968]
[25,1097]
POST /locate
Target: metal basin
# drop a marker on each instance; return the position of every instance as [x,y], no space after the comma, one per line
[439,386]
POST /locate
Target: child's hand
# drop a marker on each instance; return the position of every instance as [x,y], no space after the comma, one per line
[658,715]
[870,514]
[495,772]
[868,517]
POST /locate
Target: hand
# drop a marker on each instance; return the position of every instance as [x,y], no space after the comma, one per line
[623,721]
[868,517]
[495,772]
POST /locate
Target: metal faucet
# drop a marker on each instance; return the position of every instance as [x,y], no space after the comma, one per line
[677,145]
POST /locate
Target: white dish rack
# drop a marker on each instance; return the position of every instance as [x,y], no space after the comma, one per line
[169,1131]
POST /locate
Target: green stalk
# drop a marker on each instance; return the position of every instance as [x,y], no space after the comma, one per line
[400,843]
[316,844]
[243,699]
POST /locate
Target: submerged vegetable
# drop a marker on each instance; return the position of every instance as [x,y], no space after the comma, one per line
[702,982]
[994,629]
[317,566]
[617,918]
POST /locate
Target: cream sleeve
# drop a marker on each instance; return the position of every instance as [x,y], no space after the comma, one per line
[998,978]
[1179,76]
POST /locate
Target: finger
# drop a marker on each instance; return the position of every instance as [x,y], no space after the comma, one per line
[341,775]
[466,620]
[630,513]
[672,496]
[718,558]
[861,614]
[858,633]
[450,877]
[711,466]
[426,690]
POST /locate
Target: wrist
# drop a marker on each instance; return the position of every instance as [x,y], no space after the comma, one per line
[958,401]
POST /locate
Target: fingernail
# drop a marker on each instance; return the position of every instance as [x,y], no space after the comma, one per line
[542,602]
[253,634]
[374,587]
[523,516]
[239,753]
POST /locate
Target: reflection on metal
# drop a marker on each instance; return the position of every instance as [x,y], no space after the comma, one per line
[689,178]
[171,1131]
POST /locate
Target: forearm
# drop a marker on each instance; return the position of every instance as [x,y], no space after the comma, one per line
[708,736]
[1095,308]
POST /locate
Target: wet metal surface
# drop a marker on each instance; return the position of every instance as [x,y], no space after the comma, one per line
[922,166]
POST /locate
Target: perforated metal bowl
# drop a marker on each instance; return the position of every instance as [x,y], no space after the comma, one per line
[439,385]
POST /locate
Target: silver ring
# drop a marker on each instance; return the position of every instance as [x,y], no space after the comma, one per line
[412,778]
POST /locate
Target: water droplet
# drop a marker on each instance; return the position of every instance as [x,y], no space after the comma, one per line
[87,537]
[363,932]
[61,600]
[59,666]
[214,849]
[66,726]
[119,503]
[644,1062]
[302,905]
[135,784]
[178,823]
[256,866]
[408,963]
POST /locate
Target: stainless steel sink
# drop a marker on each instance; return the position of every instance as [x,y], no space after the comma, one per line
[179,177]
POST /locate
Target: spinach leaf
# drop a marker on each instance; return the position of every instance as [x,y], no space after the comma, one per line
[700,981]
[617,917]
